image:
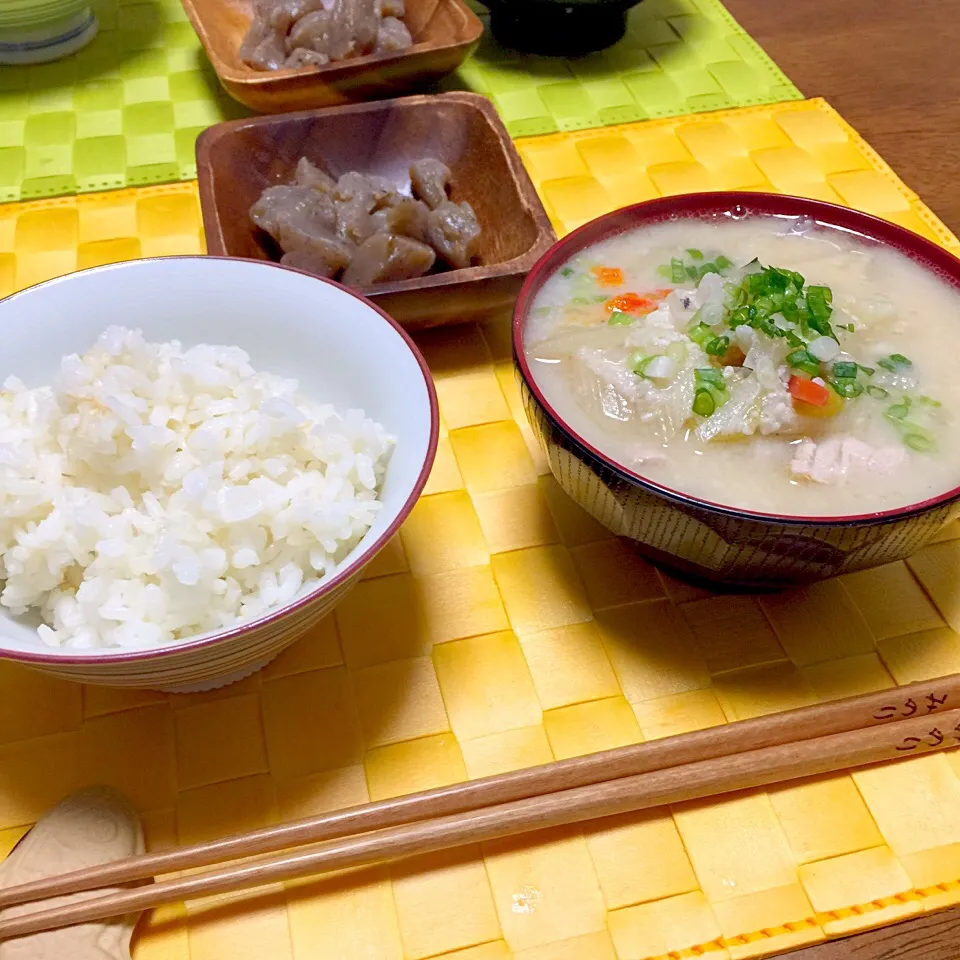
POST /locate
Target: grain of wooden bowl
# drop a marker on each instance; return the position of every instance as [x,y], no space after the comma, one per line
[238,159]
[445,33]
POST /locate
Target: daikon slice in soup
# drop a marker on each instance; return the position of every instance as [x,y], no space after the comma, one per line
[769,363]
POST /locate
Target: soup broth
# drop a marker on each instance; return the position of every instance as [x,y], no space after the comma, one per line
[768,363]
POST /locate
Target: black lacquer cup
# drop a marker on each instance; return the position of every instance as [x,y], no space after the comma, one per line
[561,28]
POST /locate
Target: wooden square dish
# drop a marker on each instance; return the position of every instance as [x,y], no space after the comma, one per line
[238,159]
[445,33]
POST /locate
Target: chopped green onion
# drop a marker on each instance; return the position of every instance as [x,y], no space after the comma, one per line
[915,437]
[701,334]
[718,346]
[869,371]
[929,401]
[824,294]
[848,389]
[703,403]
[639,363]
[763,306]
[723,263]
[878,393]
[620,319]
[805,361]
[693,272]
[844,370]
[897,411]
[849,327]
[710,391]
[695,254]
[678,272]
[566,272]
[921,442]
[709,376]
[895,362]
[665,271]
[677,351]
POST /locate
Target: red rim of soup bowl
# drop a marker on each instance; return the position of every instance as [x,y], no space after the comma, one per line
[701,206]
[328,586]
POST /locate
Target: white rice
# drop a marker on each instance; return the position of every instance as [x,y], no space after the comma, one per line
[154,492]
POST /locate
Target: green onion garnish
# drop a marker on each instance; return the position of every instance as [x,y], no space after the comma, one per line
[711,391]
[723,263]
[869,371]
[638,363]
[678,272]
[897,411]
[929,401]
[718,346]
[703,403]
[844,370]
[921,442]
[566,272]
[895,362]
[701,334]
[709,376]
[620,319]
[878,393]
[848,389]
[805,361]
[695,254]
[665,271]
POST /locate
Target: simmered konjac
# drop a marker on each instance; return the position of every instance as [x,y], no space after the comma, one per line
[767,363]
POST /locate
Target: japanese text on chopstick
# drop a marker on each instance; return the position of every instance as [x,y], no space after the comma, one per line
[933,738]
[909,707]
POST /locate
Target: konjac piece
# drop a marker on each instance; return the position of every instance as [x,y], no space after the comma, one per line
[454,232]
[367,226]
[429,179]
[385,257]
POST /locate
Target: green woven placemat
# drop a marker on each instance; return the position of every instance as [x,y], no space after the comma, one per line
[124,111]
[679,57]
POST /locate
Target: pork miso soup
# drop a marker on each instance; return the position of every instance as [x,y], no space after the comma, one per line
[767,363]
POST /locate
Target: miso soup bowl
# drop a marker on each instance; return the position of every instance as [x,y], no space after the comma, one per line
[340,347]
[695,538]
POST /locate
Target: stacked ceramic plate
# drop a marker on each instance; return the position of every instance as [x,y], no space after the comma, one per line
[32,31]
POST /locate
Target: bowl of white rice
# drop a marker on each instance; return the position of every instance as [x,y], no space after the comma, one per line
[198,457]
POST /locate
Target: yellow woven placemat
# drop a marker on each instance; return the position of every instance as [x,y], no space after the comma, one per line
[505,628]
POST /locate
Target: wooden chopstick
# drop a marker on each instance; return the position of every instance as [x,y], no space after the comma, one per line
[880,708]
[690,781]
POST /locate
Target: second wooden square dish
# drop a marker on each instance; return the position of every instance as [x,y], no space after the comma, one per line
[444,32]
[237,160]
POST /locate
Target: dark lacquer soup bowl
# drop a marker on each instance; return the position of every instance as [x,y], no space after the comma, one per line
[696,538]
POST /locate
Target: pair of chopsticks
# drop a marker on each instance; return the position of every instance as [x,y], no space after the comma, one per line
[903,722]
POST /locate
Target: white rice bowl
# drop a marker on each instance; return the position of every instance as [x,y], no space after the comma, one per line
[154,493]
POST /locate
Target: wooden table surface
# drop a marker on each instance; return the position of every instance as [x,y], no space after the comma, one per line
[891,67]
